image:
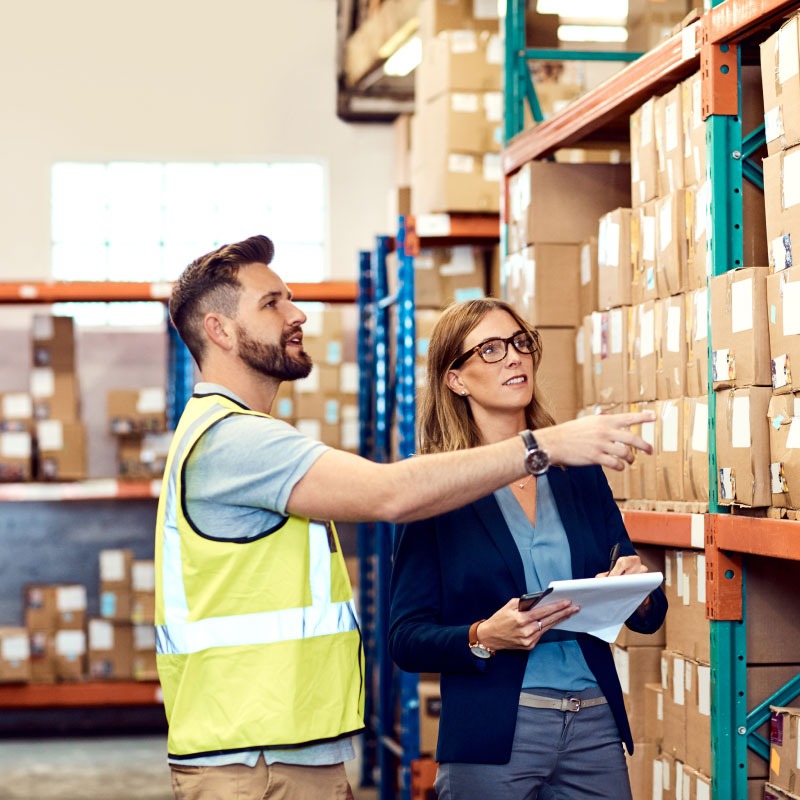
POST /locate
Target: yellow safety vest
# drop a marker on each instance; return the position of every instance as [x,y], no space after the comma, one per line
[257,639]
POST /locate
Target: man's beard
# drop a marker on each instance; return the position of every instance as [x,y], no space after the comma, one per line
[273,360]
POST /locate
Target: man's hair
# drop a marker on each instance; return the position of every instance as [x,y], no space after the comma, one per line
[445,420]
[211,283]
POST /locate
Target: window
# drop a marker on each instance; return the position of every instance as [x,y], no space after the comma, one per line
[129,221]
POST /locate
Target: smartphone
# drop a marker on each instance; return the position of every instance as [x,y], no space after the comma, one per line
[529,600]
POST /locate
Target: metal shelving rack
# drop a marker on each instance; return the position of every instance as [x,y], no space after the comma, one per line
[714,45]
[387,394]
[180,379]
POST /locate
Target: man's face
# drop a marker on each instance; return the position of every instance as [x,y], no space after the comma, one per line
[268,326]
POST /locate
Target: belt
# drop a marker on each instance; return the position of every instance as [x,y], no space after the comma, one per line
[573,704]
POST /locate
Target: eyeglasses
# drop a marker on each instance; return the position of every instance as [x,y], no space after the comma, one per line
[494,350]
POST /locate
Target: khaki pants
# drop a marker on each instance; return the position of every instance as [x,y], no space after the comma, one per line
[262,782]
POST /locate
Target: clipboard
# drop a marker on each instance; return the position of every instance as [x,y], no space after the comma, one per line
[605,602]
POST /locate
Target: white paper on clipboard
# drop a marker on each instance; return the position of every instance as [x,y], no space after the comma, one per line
[605,602]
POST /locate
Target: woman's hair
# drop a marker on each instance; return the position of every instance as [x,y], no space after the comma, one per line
[445,419]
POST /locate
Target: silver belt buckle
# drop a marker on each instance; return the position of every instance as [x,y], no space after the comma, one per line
[573,704]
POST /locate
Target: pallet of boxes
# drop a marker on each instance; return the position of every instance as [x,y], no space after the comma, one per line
[41,434]
[121,640]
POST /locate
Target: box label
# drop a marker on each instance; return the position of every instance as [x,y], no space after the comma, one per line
[781,372]
[15,648]
[669,428]
[791,179]
[740,422]
[742,305]
[723,365]
[700,428]
[773,124]
[778,484]
[793,439]
[786,51]
[781,251]
[646,332]
[727,483]
[791,308]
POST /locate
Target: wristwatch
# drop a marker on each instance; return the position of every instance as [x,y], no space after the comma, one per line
[537,461]
[476,648]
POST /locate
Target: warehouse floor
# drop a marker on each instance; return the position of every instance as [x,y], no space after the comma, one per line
[85,768]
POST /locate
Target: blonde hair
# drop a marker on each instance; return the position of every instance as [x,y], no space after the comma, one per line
[445,421]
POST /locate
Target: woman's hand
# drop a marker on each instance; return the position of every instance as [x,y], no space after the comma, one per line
[629,565]
[511,629]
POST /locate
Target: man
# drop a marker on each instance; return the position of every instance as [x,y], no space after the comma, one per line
[259,650]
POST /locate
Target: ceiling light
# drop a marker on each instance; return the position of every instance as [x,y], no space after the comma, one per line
[592,33]
[405,58]
[585,9]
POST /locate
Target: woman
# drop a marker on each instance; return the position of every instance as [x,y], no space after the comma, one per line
[527,711]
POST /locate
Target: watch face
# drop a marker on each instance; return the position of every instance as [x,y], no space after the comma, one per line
[480,652]
[537,462]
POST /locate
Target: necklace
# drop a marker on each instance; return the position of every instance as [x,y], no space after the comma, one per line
[525,482]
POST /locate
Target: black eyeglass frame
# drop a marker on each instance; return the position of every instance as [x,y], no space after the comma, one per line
[535,346]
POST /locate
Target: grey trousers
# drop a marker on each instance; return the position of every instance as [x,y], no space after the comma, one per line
[556,755]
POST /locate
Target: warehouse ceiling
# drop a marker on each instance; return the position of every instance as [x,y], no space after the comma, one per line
[364,43]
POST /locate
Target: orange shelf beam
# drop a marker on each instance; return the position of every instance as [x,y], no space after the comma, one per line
[775,538]
[735,20]
[22,292]
[613,100]
[80,695]
[663,528]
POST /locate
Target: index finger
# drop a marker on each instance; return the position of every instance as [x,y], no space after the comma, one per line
[632,418]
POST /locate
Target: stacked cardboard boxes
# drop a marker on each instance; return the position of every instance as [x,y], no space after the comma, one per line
[138,420]
[15,655]
[117,638]
[16,441]
[55,618]
[552,265]
[60,435]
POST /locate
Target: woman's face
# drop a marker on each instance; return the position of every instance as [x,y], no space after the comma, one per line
[505,385]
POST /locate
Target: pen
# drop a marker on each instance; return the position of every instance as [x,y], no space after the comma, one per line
[614,556]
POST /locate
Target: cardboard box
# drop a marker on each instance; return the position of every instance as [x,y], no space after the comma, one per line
[61,450]
[430,709]
[781,87]
[16,454]
[436,16]
[644,157]
[137,410]
[546,289]
[673,682]
[110,649]
[669,450]
[55,394]
[16,412]
[542,212]
[773,629]
[643,252]
[459,61]
[641,349]
[143,583]
[771,792]
[640,769]
[687,627]
[697,342]
[144,653]
[695,162]
[462,272]
[643,473]
[782,202]
[70,654]
[698,257]
[739,329]
[51,607]
[654,712]
[669,141]
[743,447]
[636,666]
[588,298]
[671,347]
[614,261]
[15,655]
[456,182]
[583,346]
[53,342]
[783,302]
[556,376]
[784,770]
[143,456]
[696,435]
[610,350]
[467,121]
[784,449]
[673,234]
[43,656]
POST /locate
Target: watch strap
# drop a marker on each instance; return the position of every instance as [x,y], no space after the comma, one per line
[473,638]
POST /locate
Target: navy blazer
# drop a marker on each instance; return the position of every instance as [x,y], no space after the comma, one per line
[459,567]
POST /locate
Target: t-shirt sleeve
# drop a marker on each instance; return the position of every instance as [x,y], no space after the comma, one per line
[248,462]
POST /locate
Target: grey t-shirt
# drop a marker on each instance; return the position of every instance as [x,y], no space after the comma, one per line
[238,481]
